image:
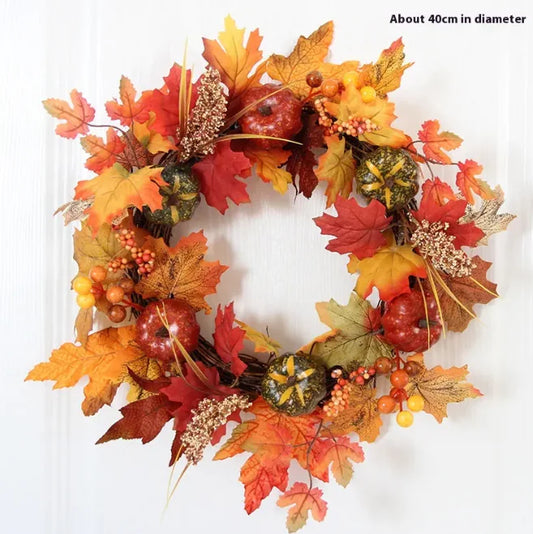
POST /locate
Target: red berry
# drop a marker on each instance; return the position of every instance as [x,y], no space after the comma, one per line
[398,394]
[156,340]
[360,380]
[399,378]
[277,115]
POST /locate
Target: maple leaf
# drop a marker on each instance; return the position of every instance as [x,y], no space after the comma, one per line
[308,55]
[102,359]
[181,271]
[337,167]
[356,340]
[217,174]
[302,160]
[232,59]
[262,343]
[468,290]
[140,374]
[129,109]
[439,191]
[116,189]
[153,141]
[468,183]
[77,117]
[388,270]
[466,234]
[386,74]
[338,452]
[142,419]
[440,386]
[303,500]
[380,112]
[487,218]
[165,102]
[103,153]
[357,229]
[361,415]
[268,166]
[435,143]
[229,340]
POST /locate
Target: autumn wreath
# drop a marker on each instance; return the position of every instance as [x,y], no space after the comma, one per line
[404,229]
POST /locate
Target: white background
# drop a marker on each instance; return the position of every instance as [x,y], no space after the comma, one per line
[472,474]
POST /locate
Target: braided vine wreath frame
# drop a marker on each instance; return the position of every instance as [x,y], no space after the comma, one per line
[404,229]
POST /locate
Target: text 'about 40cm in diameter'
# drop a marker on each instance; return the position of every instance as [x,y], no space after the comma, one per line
[481,18]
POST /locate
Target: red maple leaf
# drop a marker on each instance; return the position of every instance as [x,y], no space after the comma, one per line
[187,391]
[77,117]
[357,229]
[467,234]
[229,340]
[165,102]
[440,191]
[217,174]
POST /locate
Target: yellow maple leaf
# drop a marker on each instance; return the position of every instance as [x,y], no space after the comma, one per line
[102,359]
[116,189]
[308,55]
[386,74]
[267,165]
[262,342]
[181,271]
[380,112]
[337,167]
[232,59]
[439,387]
[153,141]
[388,270]
[144,367]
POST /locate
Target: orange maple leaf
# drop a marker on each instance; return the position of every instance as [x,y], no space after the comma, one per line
[232,59]
[468,183]
[153,141]
[102,359]
[116,189]
[440,386]
[340,452]
[103,153]
[386,74]
[435,142]
[181,271]
[129,109]
[308,55]
[268,166]
[77,117]
[337,167]
[303,500]
[438,190]
[380,112]
[388,270]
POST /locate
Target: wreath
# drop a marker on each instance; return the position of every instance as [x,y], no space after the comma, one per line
[403,228]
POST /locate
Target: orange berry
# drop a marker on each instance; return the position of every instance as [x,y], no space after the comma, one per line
[399,378]
[368,94]
[114,294]
[329,87]
[386,404]
[98,273]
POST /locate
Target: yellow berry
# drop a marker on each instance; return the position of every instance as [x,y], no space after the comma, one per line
[350,78]
[415,403]
[404,418]
[85,301]
[368,94]
[82,285]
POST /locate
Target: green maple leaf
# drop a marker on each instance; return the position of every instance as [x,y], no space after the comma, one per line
[356,340]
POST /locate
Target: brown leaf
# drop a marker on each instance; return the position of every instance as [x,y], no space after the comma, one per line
[83,324]
[468,290]
[361,415]
[439,387]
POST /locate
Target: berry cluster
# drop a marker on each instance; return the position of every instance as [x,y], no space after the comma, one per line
[144,259]
[398,394]
[354,126]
